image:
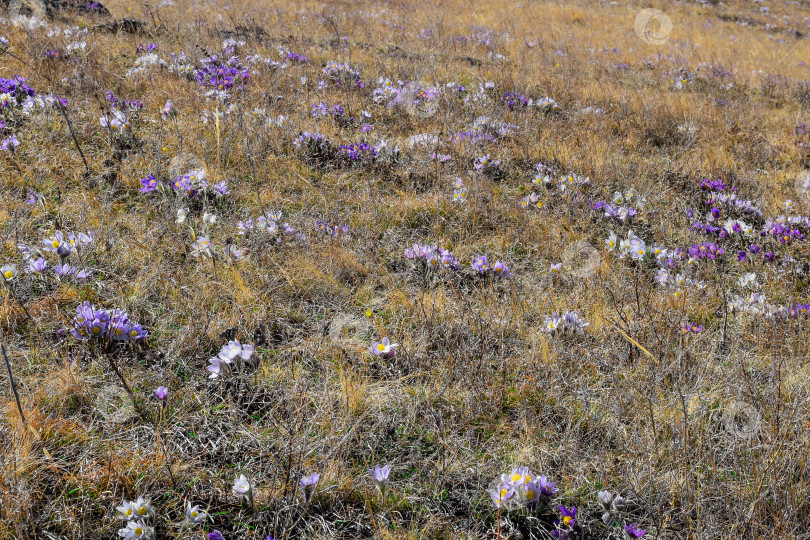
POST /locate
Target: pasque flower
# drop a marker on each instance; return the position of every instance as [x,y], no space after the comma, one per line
[195,515]
[380,476]
[385,348]
[632,531]
[308,483]
[161,393]
[8,271]
[136,529]
[242,487]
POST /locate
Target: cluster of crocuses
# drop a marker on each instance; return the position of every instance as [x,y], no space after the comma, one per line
[140,516]
[569,322]
[191,184]
[692,328]
[531,200]
[486,165]
[570,182]
[14,91]
[460,191]
[341,73]
[331,229]
[218,76]
[104,324]
[513,100]
[322,110]
[270,225]
[522,489]
[786,229]
[677,281]
[432,256]
[481,265]
[525,491]
[61,244]
[624,214]
[358,151]
[231,356]
[705,250]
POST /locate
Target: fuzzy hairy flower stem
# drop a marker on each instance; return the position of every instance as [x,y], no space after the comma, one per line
[13,385]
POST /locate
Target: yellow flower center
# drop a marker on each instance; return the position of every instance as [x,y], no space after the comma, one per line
[516,477]
[380,347]
[142,510]
[567,521]
[96,330]
[9,274]
[55,243]
[530,494]
[504,491]
[138,531]
[193,514]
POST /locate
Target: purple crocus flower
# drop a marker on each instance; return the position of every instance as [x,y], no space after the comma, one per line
[63,269]
[384,349]
[38,265]
[567,523]
[221,189]
[161,393]
[148,184]
[481,264]
[380,476]
[216,535]
[9,143]
[632,531]
[500,269]
[309,483]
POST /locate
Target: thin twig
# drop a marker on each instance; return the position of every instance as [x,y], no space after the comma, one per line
[13,385]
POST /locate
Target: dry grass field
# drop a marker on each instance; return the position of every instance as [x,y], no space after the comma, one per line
[581,223]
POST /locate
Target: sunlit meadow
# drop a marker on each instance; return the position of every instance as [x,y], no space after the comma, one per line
[451,269]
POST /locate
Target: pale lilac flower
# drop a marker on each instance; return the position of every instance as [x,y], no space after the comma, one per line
[309,483]
[161,393]
[63,269]
[235,349]
[242,487]
[37,265]
[116,122]
[216,366]
[221,189]
[380,476]
[501,493]
[480,264]
[202,246]
[518,477]
[135,529]
[195,515]
[500,269]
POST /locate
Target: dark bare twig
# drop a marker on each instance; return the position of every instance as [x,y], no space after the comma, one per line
[13,385]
